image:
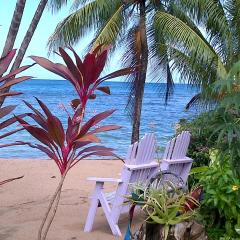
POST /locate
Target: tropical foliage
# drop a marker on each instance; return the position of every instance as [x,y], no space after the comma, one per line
[203,43]
[220,207]
[218,135]
[165,206]
[110,22]
[6,81]
[68,146]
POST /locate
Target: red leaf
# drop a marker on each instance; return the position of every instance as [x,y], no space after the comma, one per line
[89,71]
[15,72]
[118,73]
[14,81]
[34,110]
[6,60]
[55,128]
[89,138]
[56,68]
[100,63]
[10,94]
[10,121]
[39,120]
[6,110]
[78,60]
[104,89]
[95,120]
[10,133]
[104,129]
[71,66]
[75,103]
[92,96]
[93,148]
[38,133]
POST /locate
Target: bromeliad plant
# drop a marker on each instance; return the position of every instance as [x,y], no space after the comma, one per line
[78,141]
[7,81]
[163,207]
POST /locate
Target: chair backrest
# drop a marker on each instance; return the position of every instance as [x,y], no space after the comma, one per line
[178,146]
[176,149]
[142,152]
[139,167]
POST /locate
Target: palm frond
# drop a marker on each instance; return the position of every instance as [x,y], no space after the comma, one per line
[212,17]
[233,9]
[132,57]
[179,35]
[56,5]
[108,33]
[91,16]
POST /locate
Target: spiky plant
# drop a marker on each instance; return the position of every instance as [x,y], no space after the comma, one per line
[78,141]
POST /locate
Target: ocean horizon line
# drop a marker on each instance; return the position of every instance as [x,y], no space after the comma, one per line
[112,81]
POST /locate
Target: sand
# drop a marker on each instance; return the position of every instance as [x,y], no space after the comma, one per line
[24,201]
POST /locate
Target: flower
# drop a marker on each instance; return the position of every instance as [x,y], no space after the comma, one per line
[235,187]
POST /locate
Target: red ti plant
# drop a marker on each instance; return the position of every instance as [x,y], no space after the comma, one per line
[78,141]
[6,82]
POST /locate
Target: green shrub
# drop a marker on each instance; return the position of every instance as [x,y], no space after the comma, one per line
[220,207]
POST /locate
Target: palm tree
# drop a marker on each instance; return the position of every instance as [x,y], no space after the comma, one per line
[14,26]
[206,45]
[13,30]
[116,23]
[199,39]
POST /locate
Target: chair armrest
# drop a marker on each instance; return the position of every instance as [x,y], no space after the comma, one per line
[142,166]
[96,179]
[174,161]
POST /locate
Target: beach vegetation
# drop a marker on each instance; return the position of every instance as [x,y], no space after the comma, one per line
[7,80]
[121,23]
[197,39]
[164,207]
[220,208]
[79,140]
[218,133]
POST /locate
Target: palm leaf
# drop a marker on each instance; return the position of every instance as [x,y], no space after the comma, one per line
[89,17]
[181,36]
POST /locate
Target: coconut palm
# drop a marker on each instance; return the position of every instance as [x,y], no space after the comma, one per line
[208,52]
[126,23]
[198,38]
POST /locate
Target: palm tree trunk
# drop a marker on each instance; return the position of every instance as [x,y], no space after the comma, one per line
[142,77]
[27,39]
[14,27]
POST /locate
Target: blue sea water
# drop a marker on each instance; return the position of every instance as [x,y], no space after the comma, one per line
[156,116]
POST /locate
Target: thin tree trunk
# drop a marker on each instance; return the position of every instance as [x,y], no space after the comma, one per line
[27,39]
[14,27]
[142,78]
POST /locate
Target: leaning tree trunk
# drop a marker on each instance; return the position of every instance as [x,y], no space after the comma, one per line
[142,76]
[14,27]
[27,39]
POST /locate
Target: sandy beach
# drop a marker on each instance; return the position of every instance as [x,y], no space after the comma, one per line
[24,201]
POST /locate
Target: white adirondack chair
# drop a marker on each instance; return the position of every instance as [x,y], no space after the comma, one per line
[174,157]
[139,167]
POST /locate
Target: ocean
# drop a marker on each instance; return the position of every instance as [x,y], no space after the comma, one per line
[156,116]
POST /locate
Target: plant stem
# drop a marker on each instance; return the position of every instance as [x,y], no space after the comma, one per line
[54,197]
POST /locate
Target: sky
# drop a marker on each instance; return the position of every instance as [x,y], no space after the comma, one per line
[38,45]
